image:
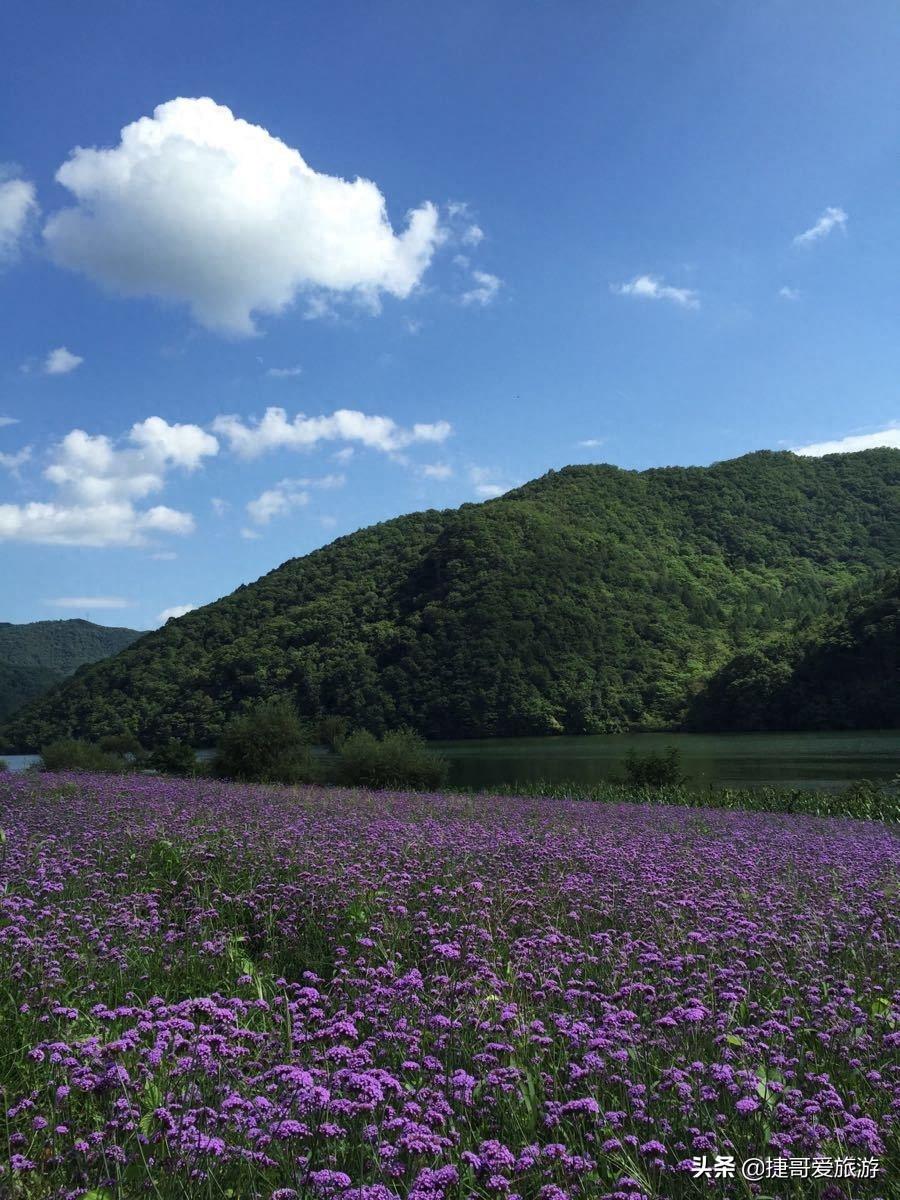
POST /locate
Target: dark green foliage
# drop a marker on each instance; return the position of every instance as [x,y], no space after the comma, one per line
[69,754]
[36,656]
[173,758]
[840,671]
[266,744]
[593,599]
[4,765]
[332,732]
[398,759]
[123,745]
[654,770]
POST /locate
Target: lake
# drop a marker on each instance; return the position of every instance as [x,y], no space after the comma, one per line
[807,760]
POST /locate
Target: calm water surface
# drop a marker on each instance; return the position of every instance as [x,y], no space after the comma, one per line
[811,760]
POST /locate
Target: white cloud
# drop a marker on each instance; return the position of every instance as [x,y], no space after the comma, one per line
[90,602]
[485,290]
[284,372]
[219,506]
[4,421]
[788,293]
[250,534]
[853,442]
[831,218]
[92,468]
[413,326]
[17,203]
[472,235]
[485,484]
[277,502]
[177,610]
[275,431]
[437,471]
[99,482]
[12,462]
[164,556]
[592,443]
[648,287]
[196,205]
[105,524]
[61,361]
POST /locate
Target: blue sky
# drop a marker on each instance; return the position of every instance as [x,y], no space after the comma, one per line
[641,233]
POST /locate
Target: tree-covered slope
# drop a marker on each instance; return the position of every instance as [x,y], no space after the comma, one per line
[839,671]
[35,656]
[592,598]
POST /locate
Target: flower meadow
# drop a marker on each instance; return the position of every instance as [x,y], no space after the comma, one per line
[218,991]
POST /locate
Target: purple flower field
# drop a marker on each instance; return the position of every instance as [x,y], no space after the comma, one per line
[219,991]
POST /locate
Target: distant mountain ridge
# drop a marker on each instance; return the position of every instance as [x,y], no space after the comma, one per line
[591,599]
[37,655]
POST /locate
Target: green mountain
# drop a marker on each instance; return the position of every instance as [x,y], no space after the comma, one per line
[838,671]
[36,656]
[590,599]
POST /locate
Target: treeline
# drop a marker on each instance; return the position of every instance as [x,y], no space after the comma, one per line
[590,600]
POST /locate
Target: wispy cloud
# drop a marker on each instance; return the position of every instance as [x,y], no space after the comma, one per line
[436,471]
[275,431]
[788,293]
[90,602]
[592,443]
[831,218]
[12,462]
[890,436]
[177,610]
[484,290]
[649,287]
[284,372]
[4,421]
[61,361]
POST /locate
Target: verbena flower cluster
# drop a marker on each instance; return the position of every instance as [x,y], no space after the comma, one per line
[209,990]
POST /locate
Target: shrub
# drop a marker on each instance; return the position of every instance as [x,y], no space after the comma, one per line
[332,732]
[267,744]
[173,758]
[123,745]
[654,770]
[4,765]
[69,754]
[399,759]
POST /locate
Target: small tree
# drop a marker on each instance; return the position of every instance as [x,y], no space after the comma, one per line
[123,745]
[654,770]
[267,744]
[173,758]
[69,754]
[399,759]
[332,732]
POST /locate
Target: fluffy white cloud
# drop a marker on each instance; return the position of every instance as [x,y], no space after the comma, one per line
[90,602]
[107,524]
[648,287]
[275,431]
[831,218]
[99,481]
[196,205]
[61,361]
[177,610]
[17,203]
[855,441]
[276,502]
[92,468]
[472,235]
[284,372]
[484,291]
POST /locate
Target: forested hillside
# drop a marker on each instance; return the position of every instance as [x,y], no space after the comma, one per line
[35,656]
[839,671]
[590,599]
